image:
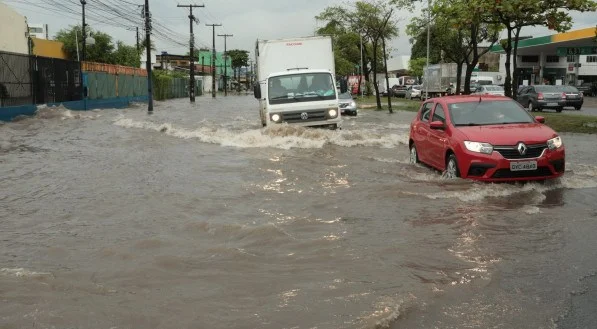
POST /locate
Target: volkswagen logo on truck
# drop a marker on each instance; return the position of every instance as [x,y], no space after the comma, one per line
[304,115]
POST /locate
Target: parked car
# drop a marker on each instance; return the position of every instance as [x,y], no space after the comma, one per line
[413,91]
[347,104]
[588,88]
[539,97]
[399,91]
[573,97]
[489,90]
[486,138]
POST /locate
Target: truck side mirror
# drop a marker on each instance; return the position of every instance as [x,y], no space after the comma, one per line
[257,90]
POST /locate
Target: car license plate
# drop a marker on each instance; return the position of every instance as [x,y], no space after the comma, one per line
[523,165]
[552,104]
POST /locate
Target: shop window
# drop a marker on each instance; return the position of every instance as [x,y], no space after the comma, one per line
[552,59]
[530,59]
[571,59]
[591,59]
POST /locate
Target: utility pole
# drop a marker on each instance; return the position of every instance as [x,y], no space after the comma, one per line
[137,41]
[192,51]
[385,64]
[225,63]
[83,3]
[250,78]
[213,60]
[148,50]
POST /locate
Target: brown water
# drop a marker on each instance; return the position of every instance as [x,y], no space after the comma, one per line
[195,217]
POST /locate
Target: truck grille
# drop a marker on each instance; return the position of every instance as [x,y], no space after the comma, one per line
[313,115]
[343,105]
[511,152]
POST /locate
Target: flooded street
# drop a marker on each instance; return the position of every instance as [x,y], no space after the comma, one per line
[196,217]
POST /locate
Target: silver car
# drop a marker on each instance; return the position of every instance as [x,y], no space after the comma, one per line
[413,91]
[347,105]
[489,90]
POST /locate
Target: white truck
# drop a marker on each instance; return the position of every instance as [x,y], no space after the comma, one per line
[296,82]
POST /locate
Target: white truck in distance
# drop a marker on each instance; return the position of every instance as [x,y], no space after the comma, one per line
[296,82]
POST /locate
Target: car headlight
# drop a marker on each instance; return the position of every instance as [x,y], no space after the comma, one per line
[276,117]
[353,104]
[332,113]
[554,143]
[479,147]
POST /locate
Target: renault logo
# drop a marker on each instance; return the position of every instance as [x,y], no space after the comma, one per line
[304,116]
[522,149]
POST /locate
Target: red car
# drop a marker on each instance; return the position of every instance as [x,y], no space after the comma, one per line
[486,138]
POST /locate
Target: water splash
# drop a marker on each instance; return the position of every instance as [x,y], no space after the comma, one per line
[282,136]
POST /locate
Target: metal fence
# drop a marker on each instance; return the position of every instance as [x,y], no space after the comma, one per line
[28,79]
[16,87]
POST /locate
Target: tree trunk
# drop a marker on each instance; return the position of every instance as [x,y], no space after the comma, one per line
[385,63]
[515,75]
[374,69]
[508,50]
[458,77]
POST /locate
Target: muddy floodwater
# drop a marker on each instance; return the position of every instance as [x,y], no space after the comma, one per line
[196,217]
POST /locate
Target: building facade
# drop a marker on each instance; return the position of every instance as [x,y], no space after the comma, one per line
[14,35]
[39,31]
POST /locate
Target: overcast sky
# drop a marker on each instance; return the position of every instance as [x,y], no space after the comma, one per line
[247,20]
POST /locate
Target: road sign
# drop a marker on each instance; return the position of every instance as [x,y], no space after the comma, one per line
[587,50]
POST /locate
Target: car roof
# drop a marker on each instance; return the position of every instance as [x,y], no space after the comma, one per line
[469,98]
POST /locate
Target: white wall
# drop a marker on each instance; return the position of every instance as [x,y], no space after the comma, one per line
[144,59]
[13,29]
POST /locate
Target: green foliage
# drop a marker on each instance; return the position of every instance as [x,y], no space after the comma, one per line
[416,65]
[103,51]
[126,55]
[238,58]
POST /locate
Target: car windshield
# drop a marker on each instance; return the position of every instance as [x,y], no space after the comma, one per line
[488,112]
[301,87]
[345,96]
[494,88]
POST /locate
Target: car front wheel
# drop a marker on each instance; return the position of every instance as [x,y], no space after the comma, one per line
[452,170]
[414,156]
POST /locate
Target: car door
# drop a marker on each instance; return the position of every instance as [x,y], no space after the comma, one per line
[421,133]
[437,138]
[523,96]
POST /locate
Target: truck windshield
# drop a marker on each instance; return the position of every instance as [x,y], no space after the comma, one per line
[301,87]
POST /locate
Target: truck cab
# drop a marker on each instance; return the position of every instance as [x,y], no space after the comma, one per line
[302,97]
[296,82]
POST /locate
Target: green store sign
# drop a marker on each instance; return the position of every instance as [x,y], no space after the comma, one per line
[566,51]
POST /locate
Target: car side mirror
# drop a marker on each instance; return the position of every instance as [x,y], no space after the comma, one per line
[257,90]
[540,119]
[438,125]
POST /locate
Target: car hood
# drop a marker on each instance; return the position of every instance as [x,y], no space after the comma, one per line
[528,133]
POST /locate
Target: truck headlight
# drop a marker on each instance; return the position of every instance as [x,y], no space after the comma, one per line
[479,147]
[332,113]
[276,117]
[554,143]
[353,104]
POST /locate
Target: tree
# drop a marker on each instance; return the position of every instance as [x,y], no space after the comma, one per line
[347,47]
[126,55]
[516,14]
[417,29]
[468,18]
[100,52]
[373,20]
[239,58]
[416,65]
